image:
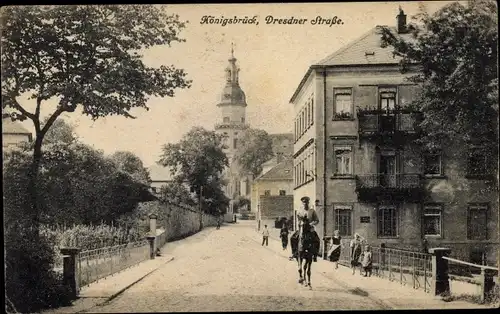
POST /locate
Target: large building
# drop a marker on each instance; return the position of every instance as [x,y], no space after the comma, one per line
[355,153]
[13,134]
[232,124]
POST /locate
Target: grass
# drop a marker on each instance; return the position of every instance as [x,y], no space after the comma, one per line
[474,298]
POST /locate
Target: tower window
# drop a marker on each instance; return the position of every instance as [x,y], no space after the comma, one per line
[225,119]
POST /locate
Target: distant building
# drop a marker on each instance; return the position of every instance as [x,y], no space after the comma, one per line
[160,176]
[13,133]
[272,192]
[355,153]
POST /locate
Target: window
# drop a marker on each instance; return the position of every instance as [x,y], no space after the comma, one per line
[235,143]
[267,192]
[243,120]
[343,103]
[432,220]
[387,101]
[476,163]
[282,192]
[343,220]
[225,119]
[432,164]
[477,222]
[387,222]
[343,160]
[312,111]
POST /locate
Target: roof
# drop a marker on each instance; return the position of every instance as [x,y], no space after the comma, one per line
[160,173]
[13,127]
[282,171]
[365,50]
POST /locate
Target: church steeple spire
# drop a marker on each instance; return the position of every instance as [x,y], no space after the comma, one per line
[232,70]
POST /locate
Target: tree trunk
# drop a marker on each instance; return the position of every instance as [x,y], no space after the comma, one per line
[33,186]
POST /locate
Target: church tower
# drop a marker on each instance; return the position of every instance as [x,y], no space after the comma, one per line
[232,123]
[232,108]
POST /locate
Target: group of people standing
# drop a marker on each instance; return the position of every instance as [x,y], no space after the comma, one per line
[361,255]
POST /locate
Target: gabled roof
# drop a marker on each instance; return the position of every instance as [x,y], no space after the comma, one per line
[280,172]
[366,50]
[13,127]
[160,173]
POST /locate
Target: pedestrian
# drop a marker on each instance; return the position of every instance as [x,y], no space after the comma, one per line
[356,250]
[334,252]
[284,236]
[367,261]
[265,236]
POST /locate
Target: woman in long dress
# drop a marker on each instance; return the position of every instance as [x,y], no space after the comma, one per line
[356,250]
[334,252]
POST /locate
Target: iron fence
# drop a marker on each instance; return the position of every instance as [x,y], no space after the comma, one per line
[406,267]
[96,264]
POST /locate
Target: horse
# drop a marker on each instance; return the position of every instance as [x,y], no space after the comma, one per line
[308,251]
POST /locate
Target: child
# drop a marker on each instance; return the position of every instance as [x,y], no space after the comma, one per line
[265,236]
[367,261]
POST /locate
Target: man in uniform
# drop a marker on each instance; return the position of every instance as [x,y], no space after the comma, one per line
[312,217]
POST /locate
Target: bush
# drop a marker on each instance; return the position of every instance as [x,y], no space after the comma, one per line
[31,284]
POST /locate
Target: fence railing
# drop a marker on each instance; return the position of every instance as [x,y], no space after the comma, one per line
[93,265]
[484,280]
[406,267]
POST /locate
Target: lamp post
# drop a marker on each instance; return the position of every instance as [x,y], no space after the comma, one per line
[201,207]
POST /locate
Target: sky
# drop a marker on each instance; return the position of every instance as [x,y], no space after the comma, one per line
[272,58]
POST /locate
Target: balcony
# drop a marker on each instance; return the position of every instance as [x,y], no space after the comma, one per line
[231,125]
[396,126]
[389,187]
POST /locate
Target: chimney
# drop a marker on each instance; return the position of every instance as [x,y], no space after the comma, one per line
[401,21]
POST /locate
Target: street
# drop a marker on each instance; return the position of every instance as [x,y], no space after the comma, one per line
[229,270]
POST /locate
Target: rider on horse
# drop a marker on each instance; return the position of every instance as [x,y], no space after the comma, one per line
[306,217]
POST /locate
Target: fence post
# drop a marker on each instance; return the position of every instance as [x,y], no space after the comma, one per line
[487,284]
[70,271]
[151,239]
[440,281]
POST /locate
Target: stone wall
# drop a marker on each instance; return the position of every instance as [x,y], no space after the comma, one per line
[179,220]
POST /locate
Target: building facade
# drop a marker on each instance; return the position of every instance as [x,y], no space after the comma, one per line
[13,134]
[272,193]
[355,153]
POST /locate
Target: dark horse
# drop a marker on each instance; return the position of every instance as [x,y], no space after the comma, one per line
[309,251]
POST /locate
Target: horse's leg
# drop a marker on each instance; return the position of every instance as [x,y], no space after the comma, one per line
[299,264]
[309,264]
[305,261]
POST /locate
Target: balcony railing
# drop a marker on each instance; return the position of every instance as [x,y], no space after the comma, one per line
[376,122]
[372,187]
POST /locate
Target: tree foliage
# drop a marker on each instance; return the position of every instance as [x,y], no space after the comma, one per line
[255,149]
[456,51]
[78,184]
[178,193]
[130,163]
[86,57]
[199,160]
[60,132]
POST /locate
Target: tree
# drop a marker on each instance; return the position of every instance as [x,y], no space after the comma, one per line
[128,162]
[60,132]
[178,193]
[456,51]
[255,149]
[199,160]
[78,184]
[86,57]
